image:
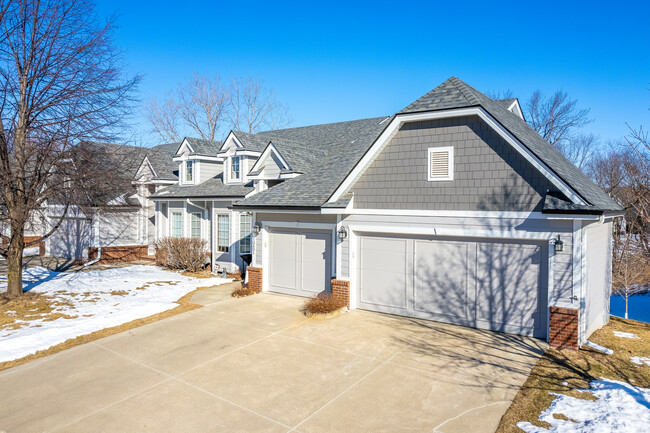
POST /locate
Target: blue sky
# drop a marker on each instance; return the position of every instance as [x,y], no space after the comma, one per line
[334,61]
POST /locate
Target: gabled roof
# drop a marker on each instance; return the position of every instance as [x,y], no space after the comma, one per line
[300,157]
[454,93]
[160,158]
[200,146]
[337,146]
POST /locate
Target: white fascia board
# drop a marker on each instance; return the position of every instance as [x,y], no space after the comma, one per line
[205,158]
[463,214]
[516,108]
[433,231]
[401,119]
[164,182]
[270,148]
[230,140]
[185,143]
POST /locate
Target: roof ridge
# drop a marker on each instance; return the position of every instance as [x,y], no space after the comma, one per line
[319,124]
[465,89]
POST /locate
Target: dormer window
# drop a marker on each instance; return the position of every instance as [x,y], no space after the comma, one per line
[189,171]
[234,168]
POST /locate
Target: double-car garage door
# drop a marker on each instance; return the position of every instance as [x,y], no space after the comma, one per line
[495,285]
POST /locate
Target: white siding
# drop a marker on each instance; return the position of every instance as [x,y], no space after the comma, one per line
[599,275]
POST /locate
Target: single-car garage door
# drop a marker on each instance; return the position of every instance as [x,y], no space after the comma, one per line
[300,261]
[72,239]
[497,285]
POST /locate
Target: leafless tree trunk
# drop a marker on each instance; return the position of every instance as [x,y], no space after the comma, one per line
[205,107]
[61,83]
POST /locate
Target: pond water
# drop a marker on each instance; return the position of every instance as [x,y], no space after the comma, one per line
[638,307]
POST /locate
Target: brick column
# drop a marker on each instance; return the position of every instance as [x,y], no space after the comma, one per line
[255,278]
[563,332]
[341,290]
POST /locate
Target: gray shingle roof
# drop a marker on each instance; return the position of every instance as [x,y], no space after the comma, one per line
[300,157]
[210,188]
[341,144]
[161,159]
[203,147]
[252,142]
[454,93]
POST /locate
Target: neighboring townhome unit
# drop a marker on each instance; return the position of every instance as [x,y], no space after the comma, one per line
[452,210]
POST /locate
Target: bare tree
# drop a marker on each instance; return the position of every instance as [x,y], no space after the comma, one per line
[555,117]
[207,108]
[62,83]
[630,264]
[579,149]
[198,105]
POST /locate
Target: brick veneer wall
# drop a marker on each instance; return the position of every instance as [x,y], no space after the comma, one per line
[255,278]
[41,244]
[341,290]
[563,332]
[119,254]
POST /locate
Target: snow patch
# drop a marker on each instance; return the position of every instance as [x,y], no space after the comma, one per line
[598,347]
[625,334]
[620,407]
[640,360]
[98,299]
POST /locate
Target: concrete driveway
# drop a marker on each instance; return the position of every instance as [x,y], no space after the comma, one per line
[256,364]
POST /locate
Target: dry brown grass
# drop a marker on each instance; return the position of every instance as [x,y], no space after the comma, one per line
[204,273]
[578,369]
[242,292]
[184,305]
[18,312]
[323,305]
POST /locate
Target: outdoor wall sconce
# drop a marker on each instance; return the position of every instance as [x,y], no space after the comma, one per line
[559,245]
[343,233]
[257,228]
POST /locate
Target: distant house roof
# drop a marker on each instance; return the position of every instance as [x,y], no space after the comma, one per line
[161,159]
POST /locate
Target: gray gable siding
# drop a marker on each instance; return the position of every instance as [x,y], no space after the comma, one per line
[489,174]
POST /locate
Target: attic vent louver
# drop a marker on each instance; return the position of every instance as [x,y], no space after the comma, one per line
[441,163]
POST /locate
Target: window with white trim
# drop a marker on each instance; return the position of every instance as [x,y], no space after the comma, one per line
[245,233]
[440,163]
[223,233]
[234,168]
[196,225]
[189,171]
[177,225]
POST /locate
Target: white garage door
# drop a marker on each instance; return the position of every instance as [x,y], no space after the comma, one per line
[72,239]
[482,284]
[300,261]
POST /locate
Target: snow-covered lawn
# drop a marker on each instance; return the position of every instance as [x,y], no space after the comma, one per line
[640,360]
[619,407]
[93,300]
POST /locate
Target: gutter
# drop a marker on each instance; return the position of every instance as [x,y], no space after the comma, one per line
[98,246]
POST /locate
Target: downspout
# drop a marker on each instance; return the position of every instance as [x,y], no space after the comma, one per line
[97,243]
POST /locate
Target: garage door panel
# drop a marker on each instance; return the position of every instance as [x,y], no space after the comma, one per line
[316,263]
[300,261]
[508,280]
[441,283]
[383,281]
[497,285]
[284,264]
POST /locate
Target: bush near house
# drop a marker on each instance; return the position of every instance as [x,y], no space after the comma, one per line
[244,291]
[184,253]
[323,304]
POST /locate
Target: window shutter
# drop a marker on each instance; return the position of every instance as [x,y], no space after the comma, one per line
[441,163]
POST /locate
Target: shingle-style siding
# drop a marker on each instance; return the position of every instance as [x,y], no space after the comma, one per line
[489,174]
[208,170]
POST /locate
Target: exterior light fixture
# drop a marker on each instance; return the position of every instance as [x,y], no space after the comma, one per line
[257,228]
[343,233]
[559,245]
